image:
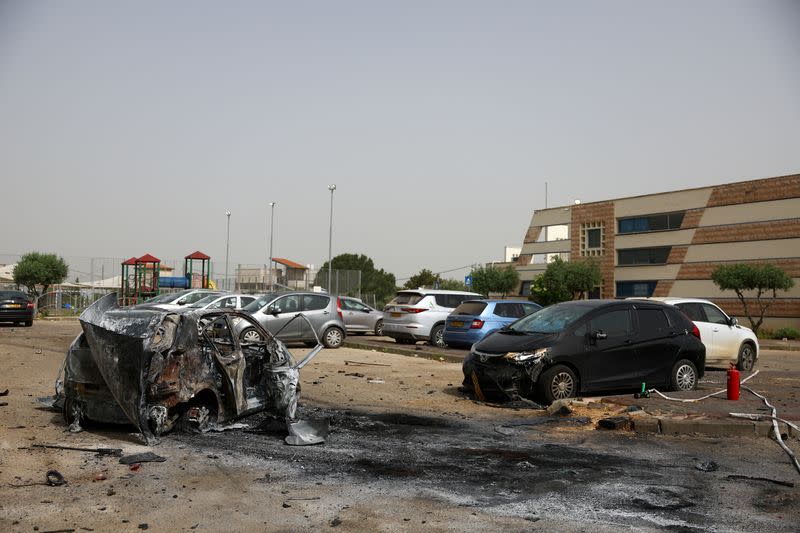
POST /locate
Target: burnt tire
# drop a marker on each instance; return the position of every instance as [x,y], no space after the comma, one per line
[437,337]
[250,335]
[683,376]
[379,328]
[333,337]
[558,382]
[747,357]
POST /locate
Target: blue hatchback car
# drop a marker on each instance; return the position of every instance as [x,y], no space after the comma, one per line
[474,319]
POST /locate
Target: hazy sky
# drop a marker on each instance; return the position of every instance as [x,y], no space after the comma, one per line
[130,127]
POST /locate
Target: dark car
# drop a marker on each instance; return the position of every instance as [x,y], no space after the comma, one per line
[16,307]
[586,346]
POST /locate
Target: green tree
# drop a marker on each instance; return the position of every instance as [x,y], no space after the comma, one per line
[492,279]
[563,281]
[423,278]
[763,279]
[37,271]
[373,281]
[452,285]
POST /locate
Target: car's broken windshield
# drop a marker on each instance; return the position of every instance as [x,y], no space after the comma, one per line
[550,319]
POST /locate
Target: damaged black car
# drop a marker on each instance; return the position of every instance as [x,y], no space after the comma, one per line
[583,346]
[160,369]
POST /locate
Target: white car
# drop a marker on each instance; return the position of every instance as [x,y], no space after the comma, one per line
[222,301]
[420,314]
[725,339]
[170,301]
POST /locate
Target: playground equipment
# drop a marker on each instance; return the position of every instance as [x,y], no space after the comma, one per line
[141,277]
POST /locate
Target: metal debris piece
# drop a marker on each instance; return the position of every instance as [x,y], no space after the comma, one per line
[614,422]
[307,432]
[220,429]
[707,466]
[54,478]
[146,457]
[4,393]
[114,452]
[363,363]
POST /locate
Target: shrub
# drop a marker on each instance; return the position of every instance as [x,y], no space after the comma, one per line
[786,333]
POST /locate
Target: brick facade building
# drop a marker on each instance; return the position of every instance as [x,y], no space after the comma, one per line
[667,244]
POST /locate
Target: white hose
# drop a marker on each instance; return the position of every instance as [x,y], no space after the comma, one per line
[777,430]
[760,417]
[692,400]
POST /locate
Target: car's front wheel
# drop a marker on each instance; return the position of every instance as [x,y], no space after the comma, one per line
[250,335]
[683,376]
[333,337]
[747,357]
[437,336]
[557,383]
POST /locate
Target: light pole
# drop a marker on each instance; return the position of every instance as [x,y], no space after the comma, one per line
[271,227]
[227,249]
[331,188]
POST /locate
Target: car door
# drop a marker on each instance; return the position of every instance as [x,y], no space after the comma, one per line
[228,356]
[610,360]
[725,337]
[278,317]
[656,348]
[315,308]
[696,314]
[352,315]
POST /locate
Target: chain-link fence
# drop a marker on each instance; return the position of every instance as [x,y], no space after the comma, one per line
[344,282]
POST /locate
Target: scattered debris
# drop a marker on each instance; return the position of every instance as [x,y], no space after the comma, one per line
[346,362]
[146,457]
[219,429]
[100,476]
[114,452]
[614,422]
[377,381]
[776,481]
[355,374]
[707,466]
[559,408]
[308,432]
[4,393]
[54,478]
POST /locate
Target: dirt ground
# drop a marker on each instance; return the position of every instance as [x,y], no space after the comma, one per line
[406,452]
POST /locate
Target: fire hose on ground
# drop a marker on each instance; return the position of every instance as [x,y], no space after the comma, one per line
[757,417]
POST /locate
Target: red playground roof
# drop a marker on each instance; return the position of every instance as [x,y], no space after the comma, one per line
[147,258]
[197,255]
[288,263]
[131,261]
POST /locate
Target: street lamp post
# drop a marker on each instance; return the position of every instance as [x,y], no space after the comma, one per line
[271,227]
[331,188]
[227,249]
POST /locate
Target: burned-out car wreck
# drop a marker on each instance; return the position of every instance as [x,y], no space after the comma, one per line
[159,370]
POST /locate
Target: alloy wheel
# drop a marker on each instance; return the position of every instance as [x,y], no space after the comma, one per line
[685,377]
[562,386]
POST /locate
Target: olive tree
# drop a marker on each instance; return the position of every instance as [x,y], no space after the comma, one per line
[37,271]
[563,281]
[493,279]
[766,280]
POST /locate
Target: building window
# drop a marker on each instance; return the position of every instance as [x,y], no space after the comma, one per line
[626,289]
[643,256]
[525,288]
[592,239]
[556,232]
[643,224]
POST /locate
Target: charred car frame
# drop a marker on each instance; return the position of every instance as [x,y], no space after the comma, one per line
[160,369]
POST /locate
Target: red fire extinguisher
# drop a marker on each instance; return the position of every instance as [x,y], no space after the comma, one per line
[733,383]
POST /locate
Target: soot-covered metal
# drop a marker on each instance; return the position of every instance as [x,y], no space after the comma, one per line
[162,369]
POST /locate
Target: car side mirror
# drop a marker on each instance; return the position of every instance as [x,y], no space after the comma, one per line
[734,322]
[182,301]
[368,310]
[274,311]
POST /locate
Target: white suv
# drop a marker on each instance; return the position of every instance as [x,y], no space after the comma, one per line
[725,340]
[415,315]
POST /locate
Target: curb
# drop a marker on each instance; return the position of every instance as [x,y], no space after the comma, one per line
[664,425]
[782,347]
[433,356]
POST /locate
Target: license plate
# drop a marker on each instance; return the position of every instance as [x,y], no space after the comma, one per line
[14,306]
[457,324]
[396,315]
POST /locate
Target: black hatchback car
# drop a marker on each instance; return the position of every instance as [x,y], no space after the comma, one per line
[587,345]
[16,307]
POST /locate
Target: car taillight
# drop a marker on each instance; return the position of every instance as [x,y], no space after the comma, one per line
[476,324]
[412,310]
[339,307]
[30,305]
[696,331]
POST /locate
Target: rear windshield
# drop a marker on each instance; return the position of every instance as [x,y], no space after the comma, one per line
[550,319]
[12,294]
[407,298]
[470,308]
[168,297]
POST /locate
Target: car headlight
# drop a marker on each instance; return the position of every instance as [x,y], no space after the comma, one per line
[527,356]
